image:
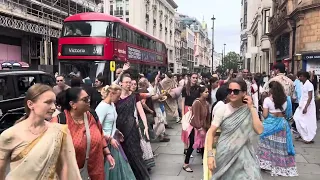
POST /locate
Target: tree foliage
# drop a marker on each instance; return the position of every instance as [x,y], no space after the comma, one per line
[230,61]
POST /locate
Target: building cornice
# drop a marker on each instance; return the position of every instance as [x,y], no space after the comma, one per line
[254,24]
[295,14]
[173,4]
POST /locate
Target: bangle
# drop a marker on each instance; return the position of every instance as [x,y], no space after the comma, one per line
[210,154]
[108,154]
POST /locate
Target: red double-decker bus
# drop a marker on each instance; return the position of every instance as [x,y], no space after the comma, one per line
[89,41]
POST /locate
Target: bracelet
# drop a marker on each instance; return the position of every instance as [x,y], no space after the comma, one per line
[108,154]
[105,147]
[210,154]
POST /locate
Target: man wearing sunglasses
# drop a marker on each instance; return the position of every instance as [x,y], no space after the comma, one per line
[61,85]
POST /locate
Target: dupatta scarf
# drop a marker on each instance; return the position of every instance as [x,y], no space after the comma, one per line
[274,125]
[235,155]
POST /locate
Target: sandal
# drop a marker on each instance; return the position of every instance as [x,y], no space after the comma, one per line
[187,169]
[309,142]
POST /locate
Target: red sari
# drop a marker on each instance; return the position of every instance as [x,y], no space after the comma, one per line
[96,157]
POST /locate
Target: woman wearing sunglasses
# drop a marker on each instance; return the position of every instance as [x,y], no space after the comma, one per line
[82,124]
[240,125]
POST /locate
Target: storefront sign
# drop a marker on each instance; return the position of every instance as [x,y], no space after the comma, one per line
[82,50]
[313,66]
[315,56]
[136,54]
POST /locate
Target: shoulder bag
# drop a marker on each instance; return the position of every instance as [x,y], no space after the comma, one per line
[84,171]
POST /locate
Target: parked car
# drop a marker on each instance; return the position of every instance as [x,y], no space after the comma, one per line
[13,87]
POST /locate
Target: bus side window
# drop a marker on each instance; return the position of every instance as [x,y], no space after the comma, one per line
[109,30]
[120,31]
[115,30]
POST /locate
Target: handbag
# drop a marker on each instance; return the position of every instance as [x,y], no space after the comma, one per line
[186,119]
[84,171]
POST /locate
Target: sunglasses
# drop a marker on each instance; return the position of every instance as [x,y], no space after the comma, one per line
[59,80]
[234,91]
[85,99]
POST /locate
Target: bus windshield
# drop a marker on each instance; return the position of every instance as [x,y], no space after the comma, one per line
[86,70]
[88,29]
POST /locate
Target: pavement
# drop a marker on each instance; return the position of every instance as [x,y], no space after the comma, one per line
[170,159]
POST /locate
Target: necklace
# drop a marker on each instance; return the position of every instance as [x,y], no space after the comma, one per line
[77,120]
[45,128]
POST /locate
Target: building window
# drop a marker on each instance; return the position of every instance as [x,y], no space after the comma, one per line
[245,14]
[127,20]
[266,20]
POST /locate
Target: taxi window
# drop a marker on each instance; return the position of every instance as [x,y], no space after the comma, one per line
[24,82]
[5,91]
[47,80]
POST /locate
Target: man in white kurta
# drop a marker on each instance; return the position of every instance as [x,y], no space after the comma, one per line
[305,115]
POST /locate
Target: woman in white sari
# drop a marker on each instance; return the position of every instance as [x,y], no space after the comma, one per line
[41,150]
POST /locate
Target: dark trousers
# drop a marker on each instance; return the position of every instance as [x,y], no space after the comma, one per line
[179,111]
[190,149]
[294,108]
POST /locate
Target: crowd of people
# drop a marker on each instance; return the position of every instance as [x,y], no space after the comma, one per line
[239,124]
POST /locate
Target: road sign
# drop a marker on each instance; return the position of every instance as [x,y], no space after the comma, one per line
[112,66]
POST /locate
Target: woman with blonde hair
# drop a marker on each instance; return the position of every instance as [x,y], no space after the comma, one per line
[41,150]
[107,114]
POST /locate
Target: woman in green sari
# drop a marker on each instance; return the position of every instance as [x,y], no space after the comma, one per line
[240,126]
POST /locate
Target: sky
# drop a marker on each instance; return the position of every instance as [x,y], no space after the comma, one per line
[226,25]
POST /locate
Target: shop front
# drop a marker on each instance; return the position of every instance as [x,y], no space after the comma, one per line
[311,62]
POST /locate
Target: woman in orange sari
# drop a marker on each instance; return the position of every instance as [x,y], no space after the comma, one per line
[41,150]
[75,107]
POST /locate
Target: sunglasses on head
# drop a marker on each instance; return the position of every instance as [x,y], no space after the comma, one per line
[235,91]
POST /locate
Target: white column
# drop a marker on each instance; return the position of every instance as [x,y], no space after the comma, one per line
[106,6]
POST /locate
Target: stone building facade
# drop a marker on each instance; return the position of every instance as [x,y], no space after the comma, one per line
[254,42]
[156,17]
[295,34]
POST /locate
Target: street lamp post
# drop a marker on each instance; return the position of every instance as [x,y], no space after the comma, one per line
[212,49]
[68,8]
[224,53]
[222,62]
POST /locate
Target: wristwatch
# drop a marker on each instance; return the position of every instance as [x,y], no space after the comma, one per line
[210,153]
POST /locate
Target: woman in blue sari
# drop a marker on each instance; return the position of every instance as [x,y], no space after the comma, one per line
[107,114]
[240,125]
[276,151]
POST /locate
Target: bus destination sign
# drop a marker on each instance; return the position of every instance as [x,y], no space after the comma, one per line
[82,50]
[141,55]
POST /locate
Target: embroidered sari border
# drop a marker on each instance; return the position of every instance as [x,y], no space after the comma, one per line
[27,149]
